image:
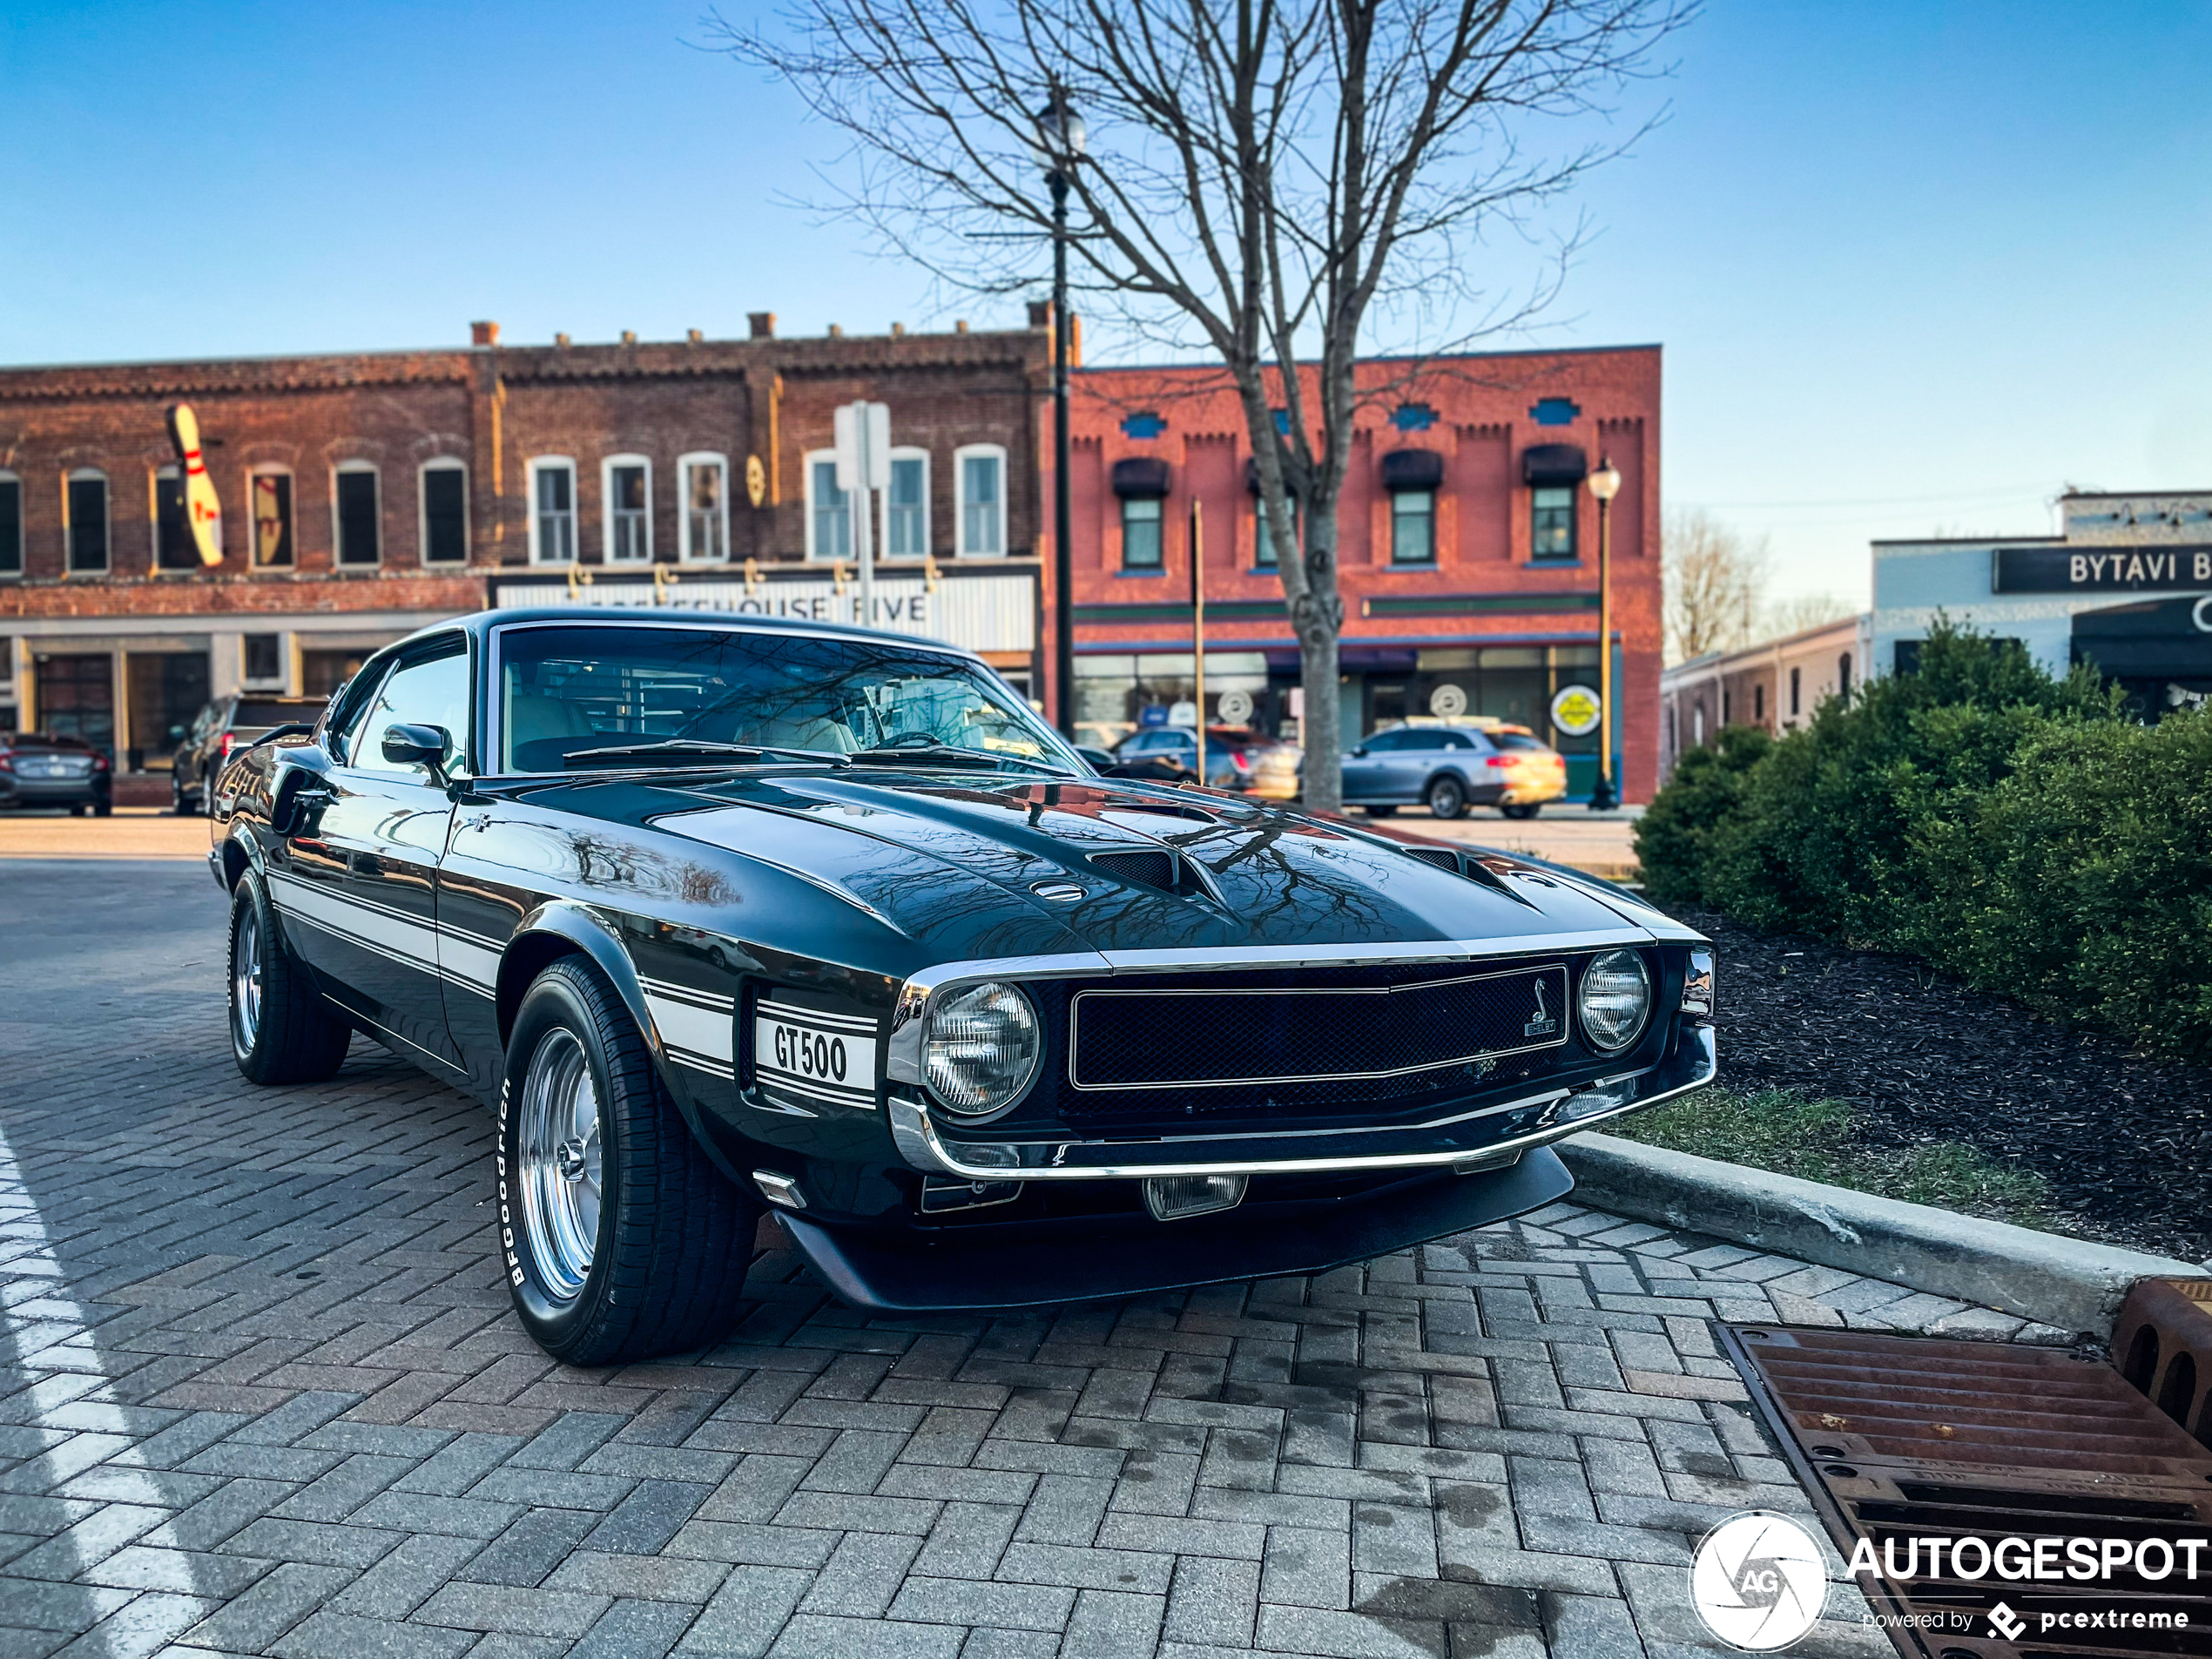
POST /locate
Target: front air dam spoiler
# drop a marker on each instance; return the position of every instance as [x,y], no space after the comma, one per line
[912,1273]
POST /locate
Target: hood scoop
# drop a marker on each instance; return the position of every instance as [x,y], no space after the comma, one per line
[1160,868]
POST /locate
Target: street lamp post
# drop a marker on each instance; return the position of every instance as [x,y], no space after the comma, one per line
[1060,133]
[1605,483]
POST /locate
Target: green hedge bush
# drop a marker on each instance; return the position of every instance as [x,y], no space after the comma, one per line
[2013,827]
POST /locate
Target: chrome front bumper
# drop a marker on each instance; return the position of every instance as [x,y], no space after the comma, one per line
[1467,1143]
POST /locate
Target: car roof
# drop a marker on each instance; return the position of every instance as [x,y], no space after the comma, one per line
[480,624]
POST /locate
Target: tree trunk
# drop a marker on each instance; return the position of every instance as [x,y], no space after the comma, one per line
[1316,615]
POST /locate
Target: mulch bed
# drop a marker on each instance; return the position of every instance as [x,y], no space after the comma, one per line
[2125,1142]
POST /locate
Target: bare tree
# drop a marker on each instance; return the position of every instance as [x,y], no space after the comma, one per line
[1716,585]
[1260,175]
[1802,611]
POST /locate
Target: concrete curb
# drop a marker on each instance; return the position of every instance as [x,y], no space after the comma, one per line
[2069,1283]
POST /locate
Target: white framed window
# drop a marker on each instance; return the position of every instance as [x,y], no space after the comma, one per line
[10,535]
[703,533]
[626,488]
[444,507]
[979,477]
[829,509]
[84,508]
[356,515]
[551,479]
[268,502]
[906,505]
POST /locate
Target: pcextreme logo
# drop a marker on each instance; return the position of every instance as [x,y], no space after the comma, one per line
[1758,1581]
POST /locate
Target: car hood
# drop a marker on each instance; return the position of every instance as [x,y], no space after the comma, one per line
[1007,866]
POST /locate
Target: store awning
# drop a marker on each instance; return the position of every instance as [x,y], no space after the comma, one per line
[1553,463]
[1142,475]
[1413,469]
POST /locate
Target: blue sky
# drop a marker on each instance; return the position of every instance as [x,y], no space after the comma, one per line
[1916,269]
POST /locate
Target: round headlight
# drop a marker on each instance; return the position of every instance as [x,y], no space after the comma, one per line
[1616,999]
[982,1047]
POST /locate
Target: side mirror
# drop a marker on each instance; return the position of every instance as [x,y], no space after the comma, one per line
[176,734]
[417,745]
[1360,753]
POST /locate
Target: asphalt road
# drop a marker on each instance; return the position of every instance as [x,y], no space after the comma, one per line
[261,1393]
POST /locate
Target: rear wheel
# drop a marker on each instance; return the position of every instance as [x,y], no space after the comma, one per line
[281,1030]
[103,809]
[1448,797]
[622,1240]
[1523,809]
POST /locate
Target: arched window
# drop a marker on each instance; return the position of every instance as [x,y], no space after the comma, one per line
[906,505]
[85,516]
[626,494]
[1842,676]
[703,534]
[172,538]
[829,509]
[1697,724]
[445,511]
[356,515]
[268,502]
[552,494]
[979,471]
[10,524]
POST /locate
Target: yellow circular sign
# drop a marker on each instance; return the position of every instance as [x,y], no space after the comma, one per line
[1576,711]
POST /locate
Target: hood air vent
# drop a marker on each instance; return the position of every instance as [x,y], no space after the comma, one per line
[1443,858]
[1151,867]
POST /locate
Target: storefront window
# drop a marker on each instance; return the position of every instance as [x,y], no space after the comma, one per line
[1113,691]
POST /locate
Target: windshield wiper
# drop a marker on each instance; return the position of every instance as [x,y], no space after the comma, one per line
[945,754]
[700,749]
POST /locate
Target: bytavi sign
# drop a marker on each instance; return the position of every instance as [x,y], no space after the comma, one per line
[2112,570]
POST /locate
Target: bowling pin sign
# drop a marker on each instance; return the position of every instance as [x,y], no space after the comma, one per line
[203,511]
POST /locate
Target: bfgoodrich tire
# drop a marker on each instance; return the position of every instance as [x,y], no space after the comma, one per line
[281,1030]
[620,1240]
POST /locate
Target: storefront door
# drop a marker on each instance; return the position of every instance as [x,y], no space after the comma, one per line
[167,690]
[76,698]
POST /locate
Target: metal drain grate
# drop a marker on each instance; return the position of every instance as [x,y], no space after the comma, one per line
[1900,1439]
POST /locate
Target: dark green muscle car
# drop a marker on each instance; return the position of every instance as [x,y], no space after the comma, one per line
[719,914]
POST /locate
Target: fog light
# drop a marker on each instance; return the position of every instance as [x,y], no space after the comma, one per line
[1173,1198]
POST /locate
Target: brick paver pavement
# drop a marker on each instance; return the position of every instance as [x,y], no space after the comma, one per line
[263,1395]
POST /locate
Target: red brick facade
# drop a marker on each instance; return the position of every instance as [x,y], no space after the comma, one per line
[1470,618]
[763,402]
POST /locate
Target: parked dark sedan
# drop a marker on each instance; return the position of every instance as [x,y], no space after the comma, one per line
[44,769]
[226,724]
[719,913]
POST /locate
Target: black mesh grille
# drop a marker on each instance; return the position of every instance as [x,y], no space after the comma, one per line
[1145,867]
[1145,1039]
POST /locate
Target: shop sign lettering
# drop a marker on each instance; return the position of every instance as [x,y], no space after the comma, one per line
[2119,569]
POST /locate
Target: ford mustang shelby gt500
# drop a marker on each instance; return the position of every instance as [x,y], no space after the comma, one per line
[719,913]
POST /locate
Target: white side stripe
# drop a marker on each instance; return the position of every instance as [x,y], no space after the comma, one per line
[792,1015]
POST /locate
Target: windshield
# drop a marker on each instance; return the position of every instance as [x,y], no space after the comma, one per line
[565,690]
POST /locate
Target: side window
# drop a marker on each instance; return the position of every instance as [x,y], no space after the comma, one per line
[348,709]
[418,693]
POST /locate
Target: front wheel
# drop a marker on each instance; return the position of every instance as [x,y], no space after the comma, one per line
[622,1240]
[1526,809]
[281,1031]
[1448,797]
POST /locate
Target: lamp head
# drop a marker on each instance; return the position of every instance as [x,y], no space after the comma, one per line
[1605,483]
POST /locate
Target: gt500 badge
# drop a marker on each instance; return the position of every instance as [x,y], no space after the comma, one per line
[831,1058]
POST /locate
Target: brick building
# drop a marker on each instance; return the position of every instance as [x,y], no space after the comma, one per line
[364,496]
[1776,685]
[1468,547]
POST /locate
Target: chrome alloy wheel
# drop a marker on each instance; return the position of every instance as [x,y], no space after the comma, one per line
[246,980]
[558,1145]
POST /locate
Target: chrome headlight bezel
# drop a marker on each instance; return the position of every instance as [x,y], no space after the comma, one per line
[950,1077]
[1608,976]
